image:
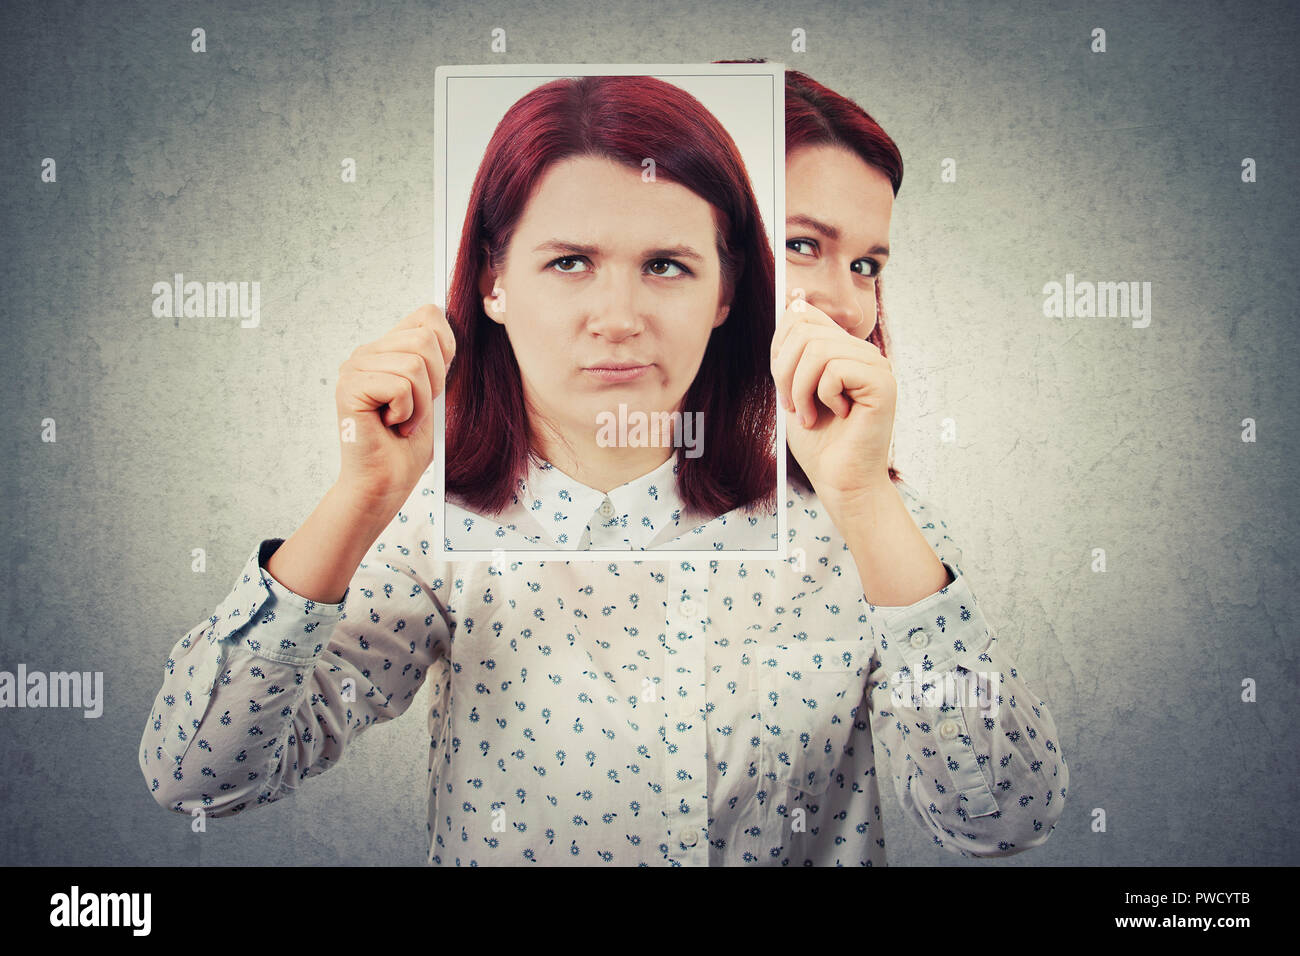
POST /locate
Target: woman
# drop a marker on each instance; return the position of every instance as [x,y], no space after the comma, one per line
[706,712]
[586,296]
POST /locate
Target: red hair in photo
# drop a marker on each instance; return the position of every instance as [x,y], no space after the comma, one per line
[626,119]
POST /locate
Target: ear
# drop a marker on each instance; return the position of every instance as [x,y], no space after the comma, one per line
[494,297]
[723,311]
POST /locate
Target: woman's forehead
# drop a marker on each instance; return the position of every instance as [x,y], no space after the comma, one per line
[833,186]
[597,201]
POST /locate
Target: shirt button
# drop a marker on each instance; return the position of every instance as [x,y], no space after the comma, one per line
[919,639]
[688,609]
[693,839]
[948,729]
[607,508]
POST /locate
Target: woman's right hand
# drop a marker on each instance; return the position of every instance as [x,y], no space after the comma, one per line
[385,397]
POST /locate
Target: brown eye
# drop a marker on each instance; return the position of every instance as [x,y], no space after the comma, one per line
[663,268]
[870,267]
[568,264]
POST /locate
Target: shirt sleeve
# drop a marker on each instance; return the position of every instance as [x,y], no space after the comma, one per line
[273,687]
[972,750]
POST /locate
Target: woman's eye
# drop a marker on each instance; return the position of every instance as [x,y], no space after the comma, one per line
[866,267]
[809,246]
[664,268]
[569,264]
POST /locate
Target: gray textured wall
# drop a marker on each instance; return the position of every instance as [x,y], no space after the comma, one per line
[1072,434]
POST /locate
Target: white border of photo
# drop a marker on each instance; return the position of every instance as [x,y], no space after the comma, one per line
[747,98]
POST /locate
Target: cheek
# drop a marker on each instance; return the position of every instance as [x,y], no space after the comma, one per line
[533,319]
[687,335]
[692,322]
[870,314]
[869,303]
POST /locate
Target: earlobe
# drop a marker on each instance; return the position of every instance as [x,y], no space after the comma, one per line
[494,305]
[494,297]
[722,315]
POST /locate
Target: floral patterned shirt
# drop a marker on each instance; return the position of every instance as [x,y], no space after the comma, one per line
[631,712]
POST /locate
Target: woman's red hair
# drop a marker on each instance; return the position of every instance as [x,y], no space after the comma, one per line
[626,119]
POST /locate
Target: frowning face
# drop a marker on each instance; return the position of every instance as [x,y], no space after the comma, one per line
[609,291]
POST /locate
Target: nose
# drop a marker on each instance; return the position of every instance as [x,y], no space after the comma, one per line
[833,293]
[615,312]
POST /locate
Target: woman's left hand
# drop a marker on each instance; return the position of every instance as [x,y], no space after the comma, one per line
[845,391]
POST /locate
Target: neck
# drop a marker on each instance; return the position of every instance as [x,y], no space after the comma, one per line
[584,459]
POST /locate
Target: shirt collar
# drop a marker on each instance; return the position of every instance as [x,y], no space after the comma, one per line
[574,517]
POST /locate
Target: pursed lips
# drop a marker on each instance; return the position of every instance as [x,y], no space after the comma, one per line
[617,372]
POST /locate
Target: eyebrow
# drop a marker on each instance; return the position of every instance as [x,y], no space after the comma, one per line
[830,232]
[561,246]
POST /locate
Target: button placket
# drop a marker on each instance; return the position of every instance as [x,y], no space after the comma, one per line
[687,784]
[971,780]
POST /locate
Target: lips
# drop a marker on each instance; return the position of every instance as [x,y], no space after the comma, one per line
[616,372]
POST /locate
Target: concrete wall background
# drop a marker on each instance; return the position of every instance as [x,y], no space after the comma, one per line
[1072,434]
